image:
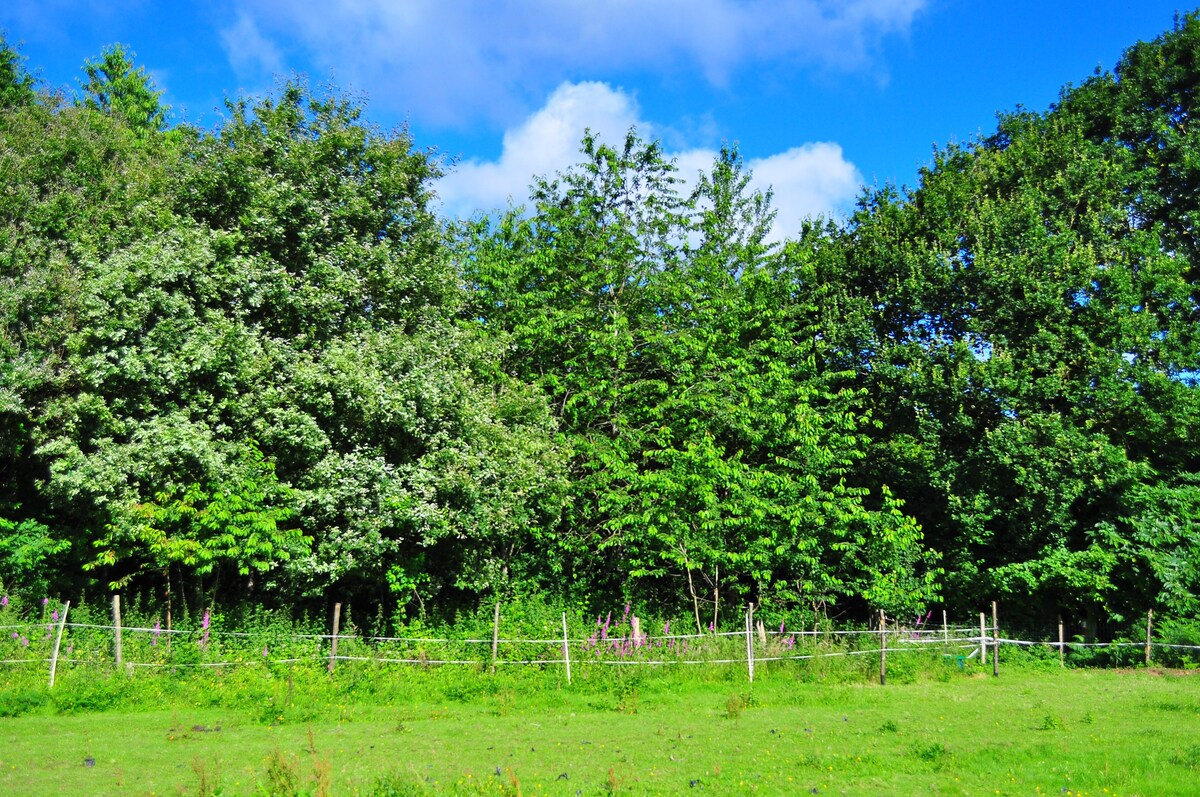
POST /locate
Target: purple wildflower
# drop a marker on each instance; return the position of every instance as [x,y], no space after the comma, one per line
[3,602]
[45,601]
[154,639]
[24,642]
[15,635]
[264,651]
[781,627]
[54,615]
[711,628]
[666,627]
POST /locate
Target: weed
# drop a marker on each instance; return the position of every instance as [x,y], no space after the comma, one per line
[282,773]
[628,704]
[208,783]
[1189,757]
[322,778]
[735,704]
[322,772]
[889,727]
[931,753]
[1051,723]
[504,702]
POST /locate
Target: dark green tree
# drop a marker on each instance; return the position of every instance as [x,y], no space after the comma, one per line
[1024,324]
[16,84]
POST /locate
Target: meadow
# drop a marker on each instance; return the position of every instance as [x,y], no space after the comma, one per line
[808,727]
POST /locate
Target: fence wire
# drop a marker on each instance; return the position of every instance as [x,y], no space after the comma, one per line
[664,650]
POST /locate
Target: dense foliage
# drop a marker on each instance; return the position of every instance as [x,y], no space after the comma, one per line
[252,364]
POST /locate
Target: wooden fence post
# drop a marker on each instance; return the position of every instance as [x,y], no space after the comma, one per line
[117,630]
[945,629]
[62,622]
[495,636]
[995,641]
[567,648]
[1061,644]
[750,641]
[337,621]
[882,648]
[1149,621]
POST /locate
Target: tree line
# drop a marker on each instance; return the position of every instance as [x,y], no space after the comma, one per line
[252,364]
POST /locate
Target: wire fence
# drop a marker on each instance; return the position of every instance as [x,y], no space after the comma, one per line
[56,642]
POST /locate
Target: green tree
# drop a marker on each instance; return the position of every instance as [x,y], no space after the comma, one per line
[16,85]
[115,86]
[233,359]
[1024,325]
[710,442]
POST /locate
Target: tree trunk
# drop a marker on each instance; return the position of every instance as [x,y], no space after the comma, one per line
[695,600]
[716,597]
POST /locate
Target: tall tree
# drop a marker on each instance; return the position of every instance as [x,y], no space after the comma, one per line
[1024,322]
[115,86]
[709,443]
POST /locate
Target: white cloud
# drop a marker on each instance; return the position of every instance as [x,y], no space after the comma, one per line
[454,61]
[250,53]
[545,143]
[814,178]
[811,179]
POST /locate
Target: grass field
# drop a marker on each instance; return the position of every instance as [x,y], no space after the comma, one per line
[412,731]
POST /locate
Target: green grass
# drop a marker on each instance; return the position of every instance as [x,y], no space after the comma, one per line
[409,731]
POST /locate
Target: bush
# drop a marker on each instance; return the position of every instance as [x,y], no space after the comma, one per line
[14,703]
[1177,632]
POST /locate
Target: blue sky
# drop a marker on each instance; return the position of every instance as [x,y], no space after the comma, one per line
[820,96]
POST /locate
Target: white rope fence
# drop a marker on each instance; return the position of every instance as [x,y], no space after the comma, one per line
[627,647]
